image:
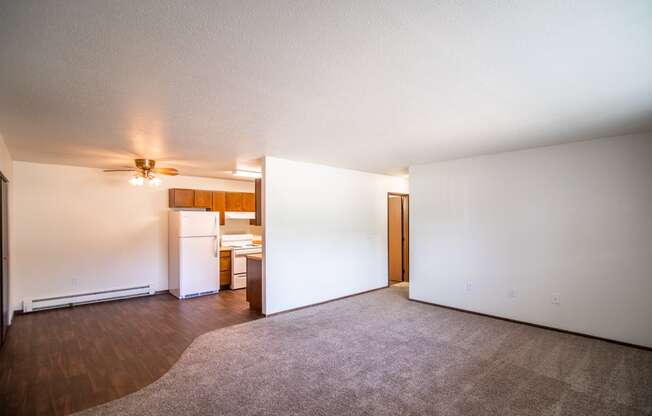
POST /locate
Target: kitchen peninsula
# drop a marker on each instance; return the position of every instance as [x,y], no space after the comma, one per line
[255,282]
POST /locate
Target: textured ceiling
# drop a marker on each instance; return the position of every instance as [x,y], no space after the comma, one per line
[369,85]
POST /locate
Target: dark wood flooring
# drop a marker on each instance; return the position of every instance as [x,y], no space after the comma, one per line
[65,360]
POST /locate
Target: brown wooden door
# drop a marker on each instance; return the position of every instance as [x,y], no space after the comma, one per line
[203,199]
[249,202]
[219,204]
[234,201]
[182,198]
[395,238]
[406,239]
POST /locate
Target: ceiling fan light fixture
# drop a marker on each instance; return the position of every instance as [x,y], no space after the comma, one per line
[137,180]
[145,172]
[153,181]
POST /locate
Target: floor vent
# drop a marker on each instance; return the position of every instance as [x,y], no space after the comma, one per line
[33,305]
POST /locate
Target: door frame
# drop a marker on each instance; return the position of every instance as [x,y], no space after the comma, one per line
[404,232]
[4,230]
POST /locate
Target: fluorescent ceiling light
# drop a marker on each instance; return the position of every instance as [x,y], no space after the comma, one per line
[247,174]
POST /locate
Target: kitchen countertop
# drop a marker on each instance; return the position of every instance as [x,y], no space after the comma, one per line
[258,257]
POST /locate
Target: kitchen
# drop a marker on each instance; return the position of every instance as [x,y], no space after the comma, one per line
[211,235]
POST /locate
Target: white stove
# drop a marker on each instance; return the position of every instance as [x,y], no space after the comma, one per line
[241,245]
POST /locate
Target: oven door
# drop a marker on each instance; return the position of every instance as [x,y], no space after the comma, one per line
[239,264]
[239,267]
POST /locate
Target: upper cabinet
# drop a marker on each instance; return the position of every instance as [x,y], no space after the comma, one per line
[190,198]
[182,198]
[203,199]
[240,201]
[234,201]
[219,201]
[248,202]
[219,204]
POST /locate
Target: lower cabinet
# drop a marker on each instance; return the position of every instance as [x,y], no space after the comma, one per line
[225,268]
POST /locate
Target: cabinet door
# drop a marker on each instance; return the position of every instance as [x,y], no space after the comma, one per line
[203,199]
[225,278]
[234,201]
[225,264]
[182,198]
[248,202]
[219,204]
[225,268]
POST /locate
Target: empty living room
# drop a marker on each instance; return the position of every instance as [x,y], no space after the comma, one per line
[326,207]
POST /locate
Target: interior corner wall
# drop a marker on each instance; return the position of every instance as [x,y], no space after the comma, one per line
[80,230]
[6,167]
[505,234]
[325,232]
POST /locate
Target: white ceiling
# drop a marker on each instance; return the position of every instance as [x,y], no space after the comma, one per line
[369,85]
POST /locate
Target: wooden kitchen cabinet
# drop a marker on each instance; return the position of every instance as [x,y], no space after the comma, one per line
[182,198]
[203,199]
[240,201]
[190,198]
[225,261]
[225,268]
[249,202]
[234,201]
[258,204]
[219,204]
[225,279]
[213,200]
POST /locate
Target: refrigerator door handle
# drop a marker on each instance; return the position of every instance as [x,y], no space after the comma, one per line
[217,237]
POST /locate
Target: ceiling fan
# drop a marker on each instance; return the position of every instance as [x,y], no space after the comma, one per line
[145,172]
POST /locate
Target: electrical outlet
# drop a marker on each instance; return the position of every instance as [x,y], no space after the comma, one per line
[511,293]
[556,299]
[468,286]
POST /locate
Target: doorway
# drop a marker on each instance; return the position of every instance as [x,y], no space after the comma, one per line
[4,256]
[397,238]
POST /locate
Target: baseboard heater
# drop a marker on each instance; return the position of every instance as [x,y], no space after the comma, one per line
[33,305]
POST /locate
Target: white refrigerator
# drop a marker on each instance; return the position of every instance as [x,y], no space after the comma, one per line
[194,258]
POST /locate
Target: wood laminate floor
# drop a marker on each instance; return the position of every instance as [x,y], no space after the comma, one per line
[61,361]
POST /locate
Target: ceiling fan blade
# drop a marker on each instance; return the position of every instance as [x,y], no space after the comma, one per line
[166,171]
[120,170]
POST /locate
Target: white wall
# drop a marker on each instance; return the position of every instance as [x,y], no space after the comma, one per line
[80,229]
[325,232]
[573,220]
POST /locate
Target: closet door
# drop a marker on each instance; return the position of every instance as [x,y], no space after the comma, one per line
[395,236]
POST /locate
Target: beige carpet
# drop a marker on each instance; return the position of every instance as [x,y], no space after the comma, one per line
[380,354]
